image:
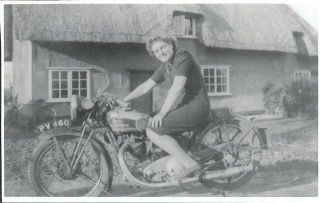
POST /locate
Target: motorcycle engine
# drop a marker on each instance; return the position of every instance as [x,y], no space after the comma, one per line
[162,169]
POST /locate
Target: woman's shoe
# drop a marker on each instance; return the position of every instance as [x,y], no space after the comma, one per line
[187,172]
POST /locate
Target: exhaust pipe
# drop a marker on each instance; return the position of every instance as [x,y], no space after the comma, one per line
[220,174]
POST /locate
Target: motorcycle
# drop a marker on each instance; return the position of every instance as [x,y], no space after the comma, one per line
[76,161]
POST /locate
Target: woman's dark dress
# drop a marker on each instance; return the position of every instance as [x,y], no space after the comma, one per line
[193,106]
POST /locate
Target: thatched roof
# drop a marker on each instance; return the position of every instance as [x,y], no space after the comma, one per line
[236,26]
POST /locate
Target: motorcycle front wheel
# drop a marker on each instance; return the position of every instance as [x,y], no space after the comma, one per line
[245,149]
[50,176]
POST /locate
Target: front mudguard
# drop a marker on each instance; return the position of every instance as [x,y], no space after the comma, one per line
[68,132]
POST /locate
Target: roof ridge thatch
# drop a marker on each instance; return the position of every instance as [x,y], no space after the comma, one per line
[235,26]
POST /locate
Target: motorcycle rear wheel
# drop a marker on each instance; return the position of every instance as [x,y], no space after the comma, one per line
[249,152]
[48,172]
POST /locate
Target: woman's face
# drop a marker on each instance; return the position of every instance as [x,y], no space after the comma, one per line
[162,50]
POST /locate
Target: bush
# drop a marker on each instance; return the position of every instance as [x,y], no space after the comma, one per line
[272,98]
[301,98]
[7,95]
[298,98]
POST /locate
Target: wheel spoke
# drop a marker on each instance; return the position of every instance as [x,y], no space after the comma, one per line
[88,179]
[233,139]
[55,177]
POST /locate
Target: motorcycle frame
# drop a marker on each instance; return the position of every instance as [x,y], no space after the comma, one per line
[55,134]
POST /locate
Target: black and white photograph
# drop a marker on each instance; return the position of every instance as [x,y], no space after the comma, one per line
[191,101]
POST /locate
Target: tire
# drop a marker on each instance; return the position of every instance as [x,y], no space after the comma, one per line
[42,115]
[248,154]
[8,120]
[49,177]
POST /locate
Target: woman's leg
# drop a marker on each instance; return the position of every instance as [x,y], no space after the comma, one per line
[171,146]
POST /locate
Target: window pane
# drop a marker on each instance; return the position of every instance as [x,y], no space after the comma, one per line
[206,80]
[75,84]
[190,31]
[219,89]
[211,72]
[224,88]
[55,93]
[205,72]
[218,80]
[188,26]
[64,75]
[75,75]
[224,72]
[64,93]
[212,80]
[224,80]
[83,93]
[83,84]
[83,75]
[218,72]
[64,84]
[212,88]
[207,88]
[55,74]
[76,92]
[55,85]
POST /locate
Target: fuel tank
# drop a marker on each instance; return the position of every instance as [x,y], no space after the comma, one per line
[123,120]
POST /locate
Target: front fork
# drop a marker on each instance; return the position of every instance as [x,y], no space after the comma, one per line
[76,155]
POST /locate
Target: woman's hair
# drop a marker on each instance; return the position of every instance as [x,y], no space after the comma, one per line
[159,38]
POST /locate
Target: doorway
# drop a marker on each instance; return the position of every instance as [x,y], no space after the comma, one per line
[144,103]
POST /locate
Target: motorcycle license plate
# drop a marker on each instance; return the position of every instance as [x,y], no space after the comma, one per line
[54,124]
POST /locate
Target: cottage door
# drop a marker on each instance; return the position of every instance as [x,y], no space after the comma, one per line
[143,103]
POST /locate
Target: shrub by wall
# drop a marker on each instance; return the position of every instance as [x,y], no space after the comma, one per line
[298,98]
[301,98]
[272,98]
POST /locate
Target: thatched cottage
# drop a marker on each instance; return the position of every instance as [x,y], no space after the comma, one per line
[60,50]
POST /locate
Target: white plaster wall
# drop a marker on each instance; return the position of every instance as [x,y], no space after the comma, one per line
[22,70]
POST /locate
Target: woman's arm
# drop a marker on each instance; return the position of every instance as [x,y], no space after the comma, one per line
[140,90]
[173,94]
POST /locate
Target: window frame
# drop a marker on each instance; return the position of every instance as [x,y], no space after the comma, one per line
[69,71]
[302,72]
[226,67]
[193,22]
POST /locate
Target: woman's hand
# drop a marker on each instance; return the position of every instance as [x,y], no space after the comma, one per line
[156,121]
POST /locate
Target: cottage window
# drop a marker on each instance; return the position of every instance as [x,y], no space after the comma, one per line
[185,25]
[216,80]
[189,27]
[66,82]
[301,45]
[300,74]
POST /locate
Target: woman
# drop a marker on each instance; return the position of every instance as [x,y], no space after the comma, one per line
[186,105]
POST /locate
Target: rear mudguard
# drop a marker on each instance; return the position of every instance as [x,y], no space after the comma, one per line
[263,136]
[67,132]
[259,130]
